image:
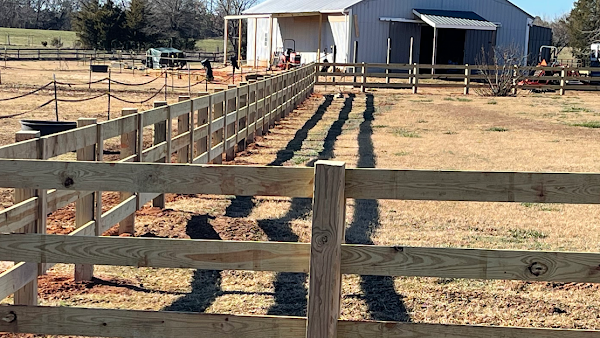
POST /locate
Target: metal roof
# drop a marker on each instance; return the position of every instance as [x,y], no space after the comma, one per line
[305,6]
[454,19]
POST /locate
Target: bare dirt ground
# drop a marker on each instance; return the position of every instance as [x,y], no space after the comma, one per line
[437,129]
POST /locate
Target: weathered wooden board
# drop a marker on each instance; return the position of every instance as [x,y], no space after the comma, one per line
[118,126]
[473,186]
[24,149]
[155,115]
[147,324]
[348,329]
[158,253]
[471,263]
[16,278]
[118,213]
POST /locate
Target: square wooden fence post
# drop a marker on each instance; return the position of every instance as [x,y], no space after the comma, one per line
[28,294]
[242,141]
[230,124]
[328,226]
[183,125]
[84,207]
[128,148]
[160,135]
[217,135]
[202,143]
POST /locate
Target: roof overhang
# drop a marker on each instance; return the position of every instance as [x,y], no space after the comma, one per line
[454,20]
[285,15]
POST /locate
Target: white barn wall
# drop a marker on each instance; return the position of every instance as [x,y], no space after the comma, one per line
[303,29]
[374,33]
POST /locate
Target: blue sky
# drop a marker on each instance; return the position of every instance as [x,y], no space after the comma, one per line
[545,8]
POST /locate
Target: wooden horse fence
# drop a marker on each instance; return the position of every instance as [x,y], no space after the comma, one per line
[415,76]
[326,258]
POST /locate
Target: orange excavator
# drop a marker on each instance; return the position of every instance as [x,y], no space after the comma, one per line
[552,53]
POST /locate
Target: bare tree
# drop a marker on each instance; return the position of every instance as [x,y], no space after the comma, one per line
[232,7]
[502,70]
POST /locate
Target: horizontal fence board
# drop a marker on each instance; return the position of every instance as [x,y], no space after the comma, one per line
[156,252]
[24,149]
[157,177]
[119,126]
[60,198]
[217,124]
[118,213]
[356,329]
[162,324]
[155,152]
[17,216]
[15,278]
[145,197]
[147,324]
[155,115]
[471,263]
[200,102]
[473,186]
[180,108]
[200,132]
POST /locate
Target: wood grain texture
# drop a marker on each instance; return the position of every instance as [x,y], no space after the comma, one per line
[84,207]
[18,277]
[147,324]
[473,186]
[183,126]
[118,126]
[158,253]
[156,115]
[23,149]
[118,213]
[128,149]
[471,263]
[349,329]
[180,108]
[328,224]
[71,140]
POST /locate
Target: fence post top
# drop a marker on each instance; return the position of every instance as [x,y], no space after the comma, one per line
[88,119]
[159,103]
[331,163]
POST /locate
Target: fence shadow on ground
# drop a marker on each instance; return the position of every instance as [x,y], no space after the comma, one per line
[378,291]
[206,284]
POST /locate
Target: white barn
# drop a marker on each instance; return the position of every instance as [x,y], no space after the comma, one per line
[457,30]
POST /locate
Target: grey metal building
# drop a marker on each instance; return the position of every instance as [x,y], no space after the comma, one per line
[456,29]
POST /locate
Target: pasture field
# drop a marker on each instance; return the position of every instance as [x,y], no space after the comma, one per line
[436,129]
[20,37]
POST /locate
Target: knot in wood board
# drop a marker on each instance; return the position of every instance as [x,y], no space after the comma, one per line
[10,317]
[68,182]
[537,269]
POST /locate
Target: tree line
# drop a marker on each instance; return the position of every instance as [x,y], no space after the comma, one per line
[128,24]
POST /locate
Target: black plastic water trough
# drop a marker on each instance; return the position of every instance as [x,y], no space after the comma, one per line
[47,127]
[99,68]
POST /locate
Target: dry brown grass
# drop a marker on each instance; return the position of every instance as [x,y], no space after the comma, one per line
[389,129]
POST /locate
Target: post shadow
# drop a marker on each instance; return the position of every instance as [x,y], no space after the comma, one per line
[206,284]
[382,300]
[242,206]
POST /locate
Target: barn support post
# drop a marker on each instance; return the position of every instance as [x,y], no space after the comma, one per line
[28,294]
[434,54]
[84,207]
[320,37]
[388,56]
[128,148]
[270,42]
[255,38]
[410,58]
[239,58]
[354,58]
[225,38]
[328,226]
[160,135]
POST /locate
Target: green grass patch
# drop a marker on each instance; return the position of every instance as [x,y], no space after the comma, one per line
[422,121]
[497,129]
[406,133]
[20,37]
[402,153]
[379,126]
[297,160]
[526,234]
[492,102]
[449,99]
[588,124]
[573,109]
[462,99]
[450,132]
[422,101]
